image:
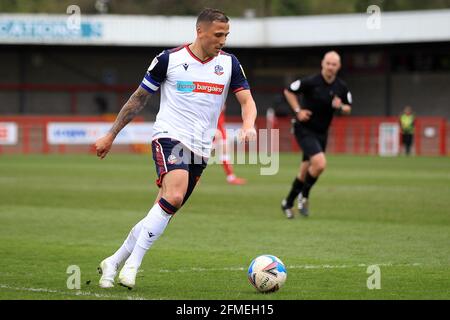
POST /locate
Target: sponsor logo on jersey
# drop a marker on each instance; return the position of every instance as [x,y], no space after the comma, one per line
[185,66]
[218,70]
[201,87]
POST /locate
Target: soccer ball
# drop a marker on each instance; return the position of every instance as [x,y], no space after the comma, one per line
[267,273]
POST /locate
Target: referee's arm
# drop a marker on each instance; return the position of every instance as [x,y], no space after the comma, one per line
[345,108]
[302,115]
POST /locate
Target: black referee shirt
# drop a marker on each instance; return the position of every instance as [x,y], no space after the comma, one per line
[317,95]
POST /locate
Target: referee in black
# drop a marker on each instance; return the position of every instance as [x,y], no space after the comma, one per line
[323,95]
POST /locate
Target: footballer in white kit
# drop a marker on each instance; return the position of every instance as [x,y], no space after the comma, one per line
[194,80]
[192,94]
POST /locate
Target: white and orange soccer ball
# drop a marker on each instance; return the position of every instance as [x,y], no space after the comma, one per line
[267,273]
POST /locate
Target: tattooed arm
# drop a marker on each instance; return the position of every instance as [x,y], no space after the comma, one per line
[131,108]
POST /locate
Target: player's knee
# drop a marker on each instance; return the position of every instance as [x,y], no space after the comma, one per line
[321,169]
[319,166]
[322,166]
[175,198]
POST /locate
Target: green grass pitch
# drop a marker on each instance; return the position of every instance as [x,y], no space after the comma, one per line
[57,211]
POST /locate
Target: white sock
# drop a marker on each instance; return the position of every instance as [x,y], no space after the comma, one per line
[224,157]
[153,226]
[127,247]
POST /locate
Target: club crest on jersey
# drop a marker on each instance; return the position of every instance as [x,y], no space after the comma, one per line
[218,70]
[171,159]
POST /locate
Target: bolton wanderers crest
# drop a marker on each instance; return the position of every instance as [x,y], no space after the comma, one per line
[218,69]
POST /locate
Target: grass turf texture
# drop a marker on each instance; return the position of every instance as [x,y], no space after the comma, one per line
[57,211]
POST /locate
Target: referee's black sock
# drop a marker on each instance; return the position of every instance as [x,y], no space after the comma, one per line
[297,187]
[309,182]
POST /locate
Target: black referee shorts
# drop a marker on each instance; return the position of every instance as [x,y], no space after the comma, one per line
[309,141]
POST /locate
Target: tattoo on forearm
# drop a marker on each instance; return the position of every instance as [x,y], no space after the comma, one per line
[131,108]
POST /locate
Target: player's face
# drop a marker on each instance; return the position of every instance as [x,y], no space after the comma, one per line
[331,65]
[213,36]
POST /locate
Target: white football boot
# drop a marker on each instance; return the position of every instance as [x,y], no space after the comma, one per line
[127,276]
[303,205]
[287,210]
[108,271]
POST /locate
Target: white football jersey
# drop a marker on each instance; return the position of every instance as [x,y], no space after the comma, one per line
[192,95]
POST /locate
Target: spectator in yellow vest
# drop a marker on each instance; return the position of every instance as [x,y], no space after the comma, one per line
[407,122]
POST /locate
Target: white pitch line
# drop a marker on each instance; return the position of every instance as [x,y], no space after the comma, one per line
[361,265]
[75,293]
[324,266]
[199,269]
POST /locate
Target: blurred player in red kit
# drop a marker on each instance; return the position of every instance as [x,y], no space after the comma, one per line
[220,140]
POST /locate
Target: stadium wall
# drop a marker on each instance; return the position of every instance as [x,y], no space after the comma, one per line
[95,80]
[77,134]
